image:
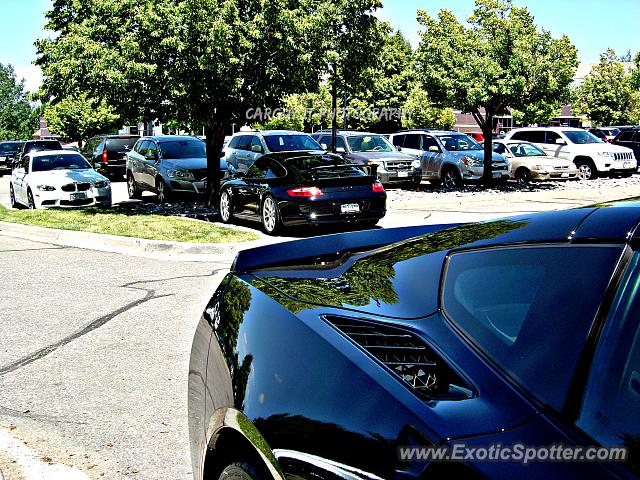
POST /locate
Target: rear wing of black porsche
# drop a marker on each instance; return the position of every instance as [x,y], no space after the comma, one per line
[313,250]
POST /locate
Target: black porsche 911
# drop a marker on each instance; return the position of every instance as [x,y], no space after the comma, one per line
[354,356]
[299,188]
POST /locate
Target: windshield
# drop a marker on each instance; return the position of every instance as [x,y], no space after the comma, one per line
[581,137]
[459,143]
[321,167]
[525,150]
[41,146]
[369,143]
[181,149]
[59,162]
[9,148]
[290,143]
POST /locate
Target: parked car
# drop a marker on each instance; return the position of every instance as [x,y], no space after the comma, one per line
[108,153]
[449,158]
[35,146]
[477,136]
[168,165]
[592,156]
[8,151]
[599,134]
[605,133]
[322,358]
[529,163]
[303,188]
[57,178]
[367,149]
[244,148]
[629,138]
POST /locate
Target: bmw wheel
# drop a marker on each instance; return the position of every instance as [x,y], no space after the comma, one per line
[270,215]
[32,203]
[451,178]
[226,214]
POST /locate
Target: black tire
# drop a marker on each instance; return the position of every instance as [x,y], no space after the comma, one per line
[132,188]
[12,196]
[31,202]
[523,176]
[369,224]
[586,169]
[163,193]
[270,215]
[240,471]
[451,177]
[226,210]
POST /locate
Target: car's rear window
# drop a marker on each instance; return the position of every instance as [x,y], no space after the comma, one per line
[180,149]
[290,143]
[320,167]
[121,144]
[40,146]
[9,148]
[530,309]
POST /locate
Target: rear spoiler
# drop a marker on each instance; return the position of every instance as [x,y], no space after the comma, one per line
[310,250]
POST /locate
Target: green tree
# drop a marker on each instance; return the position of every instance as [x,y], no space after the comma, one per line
[77,118]
[500,61]
[17,119]
[421,113]
[606,97]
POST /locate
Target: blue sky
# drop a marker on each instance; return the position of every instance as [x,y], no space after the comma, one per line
[592,25]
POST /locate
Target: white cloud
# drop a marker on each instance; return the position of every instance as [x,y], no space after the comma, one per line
[31,74]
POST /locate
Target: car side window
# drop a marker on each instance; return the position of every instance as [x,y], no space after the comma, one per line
[255,141]
[499,148]
[429,141]
[626,136]
[326,140]
[398,140]
[144,146]
[535,136]
[152,151]
[245,141]
[235,141]
[412,141]
[552,137]
[259,169]
[611,408]
[636,137]
[507,300]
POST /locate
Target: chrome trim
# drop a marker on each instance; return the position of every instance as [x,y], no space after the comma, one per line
[342,471]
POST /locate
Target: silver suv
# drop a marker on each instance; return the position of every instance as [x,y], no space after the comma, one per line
[447,157]
[244,148]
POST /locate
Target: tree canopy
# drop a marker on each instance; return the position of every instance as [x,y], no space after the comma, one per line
[18,120]
[498,61]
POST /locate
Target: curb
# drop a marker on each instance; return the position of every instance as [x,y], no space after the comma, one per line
[160,249]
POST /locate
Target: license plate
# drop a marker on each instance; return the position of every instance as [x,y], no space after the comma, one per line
[403,174]
[350,208]
[78,196]
[627,165]
[497,175]
[565,175]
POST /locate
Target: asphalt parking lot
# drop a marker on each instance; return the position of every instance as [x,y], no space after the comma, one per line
[95,351]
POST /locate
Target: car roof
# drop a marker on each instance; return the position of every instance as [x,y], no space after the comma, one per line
[269,132]
[41,153]
[428,130]
[161,138]
[553,129]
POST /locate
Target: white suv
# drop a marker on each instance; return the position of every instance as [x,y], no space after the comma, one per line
[591,155]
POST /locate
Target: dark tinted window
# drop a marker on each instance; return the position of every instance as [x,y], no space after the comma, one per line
[289,143]
[180,149]
[245,141]
[59,162]
[535,136]
[397,140]
[260,168]
[142,147]
[326,140]
[552,137]
[429,141]
[598,133]
[499,148]
[412,141]
[530,309]
[44,145]
[9,148]
[625,136]
[120,144]
[319,167]
[235,141]
[611,409]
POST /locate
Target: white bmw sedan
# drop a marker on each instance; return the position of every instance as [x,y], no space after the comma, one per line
[57,178]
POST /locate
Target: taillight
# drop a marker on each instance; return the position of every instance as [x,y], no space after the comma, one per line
[305,192]
[104,156]
[377,187]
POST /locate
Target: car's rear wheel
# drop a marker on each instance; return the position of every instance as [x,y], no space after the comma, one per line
[523,176]
[226,215]
[270,215]
[586,170]
[31,202]
[132,187]
[240,471]
[451,178]
[12,196]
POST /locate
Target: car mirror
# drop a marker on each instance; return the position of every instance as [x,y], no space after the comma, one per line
[560,141]
[256,148]
[434,149]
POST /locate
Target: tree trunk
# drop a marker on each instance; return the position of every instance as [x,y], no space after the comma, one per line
[487,133]
[334,113]
[214,139]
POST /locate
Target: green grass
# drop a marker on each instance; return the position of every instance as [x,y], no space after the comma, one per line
[147,226]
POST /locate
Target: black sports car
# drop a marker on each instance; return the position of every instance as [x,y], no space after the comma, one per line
[328,357]
[298,188]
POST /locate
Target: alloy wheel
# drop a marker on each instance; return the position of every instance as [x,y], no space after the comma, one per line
[585,172]
[131,186]
[32,203]
[12,196]
[225,207]
[162,194]
[450,179]
[269,214]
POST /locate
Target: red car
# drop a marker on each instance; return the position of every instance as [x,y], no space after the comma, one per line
[477,136]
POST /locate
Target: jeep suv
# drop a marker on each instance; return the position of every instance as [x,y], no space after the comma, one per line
[449,158]
[107,153]
[244,148]
[592,156]
[367,149]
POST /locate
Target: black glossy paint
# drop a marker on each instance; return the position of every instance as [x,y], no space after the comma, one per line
[264,352]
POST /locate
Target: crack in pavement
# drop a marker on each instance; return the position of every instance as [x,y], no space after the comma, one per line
[97,323]
[138,282]
[33,249]
[11,412]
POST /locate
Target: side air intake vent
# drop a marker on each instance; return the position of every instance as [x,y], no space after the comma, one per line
[407,356]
